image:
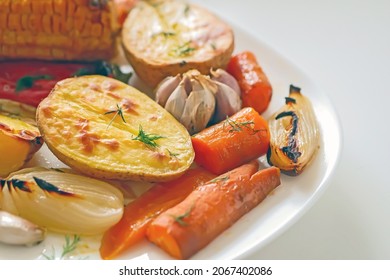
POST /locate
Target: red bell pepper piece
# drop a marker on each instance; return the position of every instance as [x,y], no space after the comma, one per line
[30,82]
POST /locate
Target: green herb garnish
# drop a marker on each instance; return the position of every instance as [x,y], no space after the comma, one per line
[218,179]
[172,154]
[187,10]
[112,70]
[237,126]
[82,72]
[69,245]
[118,111]
[67,248]
[120,75]
[146,138]
[179,219]
[28,81]
[184,50]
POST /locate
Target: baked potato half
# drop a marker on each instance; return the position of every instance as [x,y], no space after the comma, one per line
[20,139]
[109,130]
[166,37]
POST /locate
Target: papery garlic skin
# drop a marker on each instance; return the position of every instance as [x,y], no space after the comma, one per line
[229,102]
[165,88]
[224,77]
[199,108]
[15,230]
[198,100]
[177,100]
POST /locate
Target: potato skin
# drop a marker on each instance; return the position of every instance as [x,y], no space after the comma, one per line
[160,41]
[81,125]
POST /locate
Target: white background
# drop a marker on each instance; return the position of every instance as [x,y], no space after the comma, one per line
[344,47]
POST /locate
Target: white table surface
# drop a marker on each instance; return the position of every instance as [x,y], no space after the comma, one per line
[344,46]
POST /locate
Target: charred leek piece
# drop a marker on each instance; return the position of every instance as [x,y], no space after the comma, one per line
[294,134]
[60,201]
[15,230]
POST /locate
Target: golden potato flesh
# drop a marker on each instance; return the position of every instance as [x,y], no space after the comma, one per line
[110,130]
[19,141]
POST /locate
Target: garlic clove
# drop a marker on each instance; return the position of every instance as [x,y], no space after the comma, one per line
[177,100]
[228,102]
[199,108]
[165,89]
[224,77]
[15,230]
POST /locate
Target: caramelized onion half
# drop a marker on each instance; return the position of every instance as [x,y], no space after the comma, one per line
[61,202]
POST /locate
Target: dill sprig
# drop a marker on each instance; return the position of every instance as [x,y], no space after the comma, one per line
[179,219]
[118,111]
[218,179]
[172,154]
[67,248]
[166,34]
[69,245]
[237,126]
[184,50]
[187,9]
[147,138]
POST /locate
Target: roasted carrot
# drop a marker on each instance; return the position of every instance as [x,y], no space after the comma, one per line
[256,90]
[139,213]
[240,138]
[211,208]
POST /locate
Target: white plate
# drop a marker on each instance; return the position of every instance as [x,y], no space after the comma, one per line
[274,215]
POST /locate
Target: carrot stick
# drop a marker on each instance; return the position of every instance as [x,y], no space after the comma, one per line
[211,208]
[256,90]
[242,137]
[139,213]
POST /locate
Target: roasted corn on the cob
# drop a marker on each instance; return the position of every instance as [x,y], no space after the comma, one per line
[57,29]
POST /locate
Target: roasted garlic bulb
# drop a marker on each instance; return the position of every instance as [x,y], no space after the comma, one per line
[197,100]
[295,135]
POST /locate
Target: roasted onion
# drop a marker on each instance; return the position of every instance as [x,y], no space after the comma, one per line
[60,201]
[295,134]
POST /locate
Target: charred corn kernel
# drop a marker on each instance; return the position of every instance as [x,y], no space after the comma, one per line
[3,20]
[46,24]
[59,7]
[71,8]
[37,7]
[14,22]
[51,29]
[35,22]
[24,21]
[96,30]
[16,6]
[48,6]
[5,6]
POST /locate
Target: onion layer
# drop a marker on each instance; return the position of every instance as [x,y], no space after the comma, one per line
[61,202]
